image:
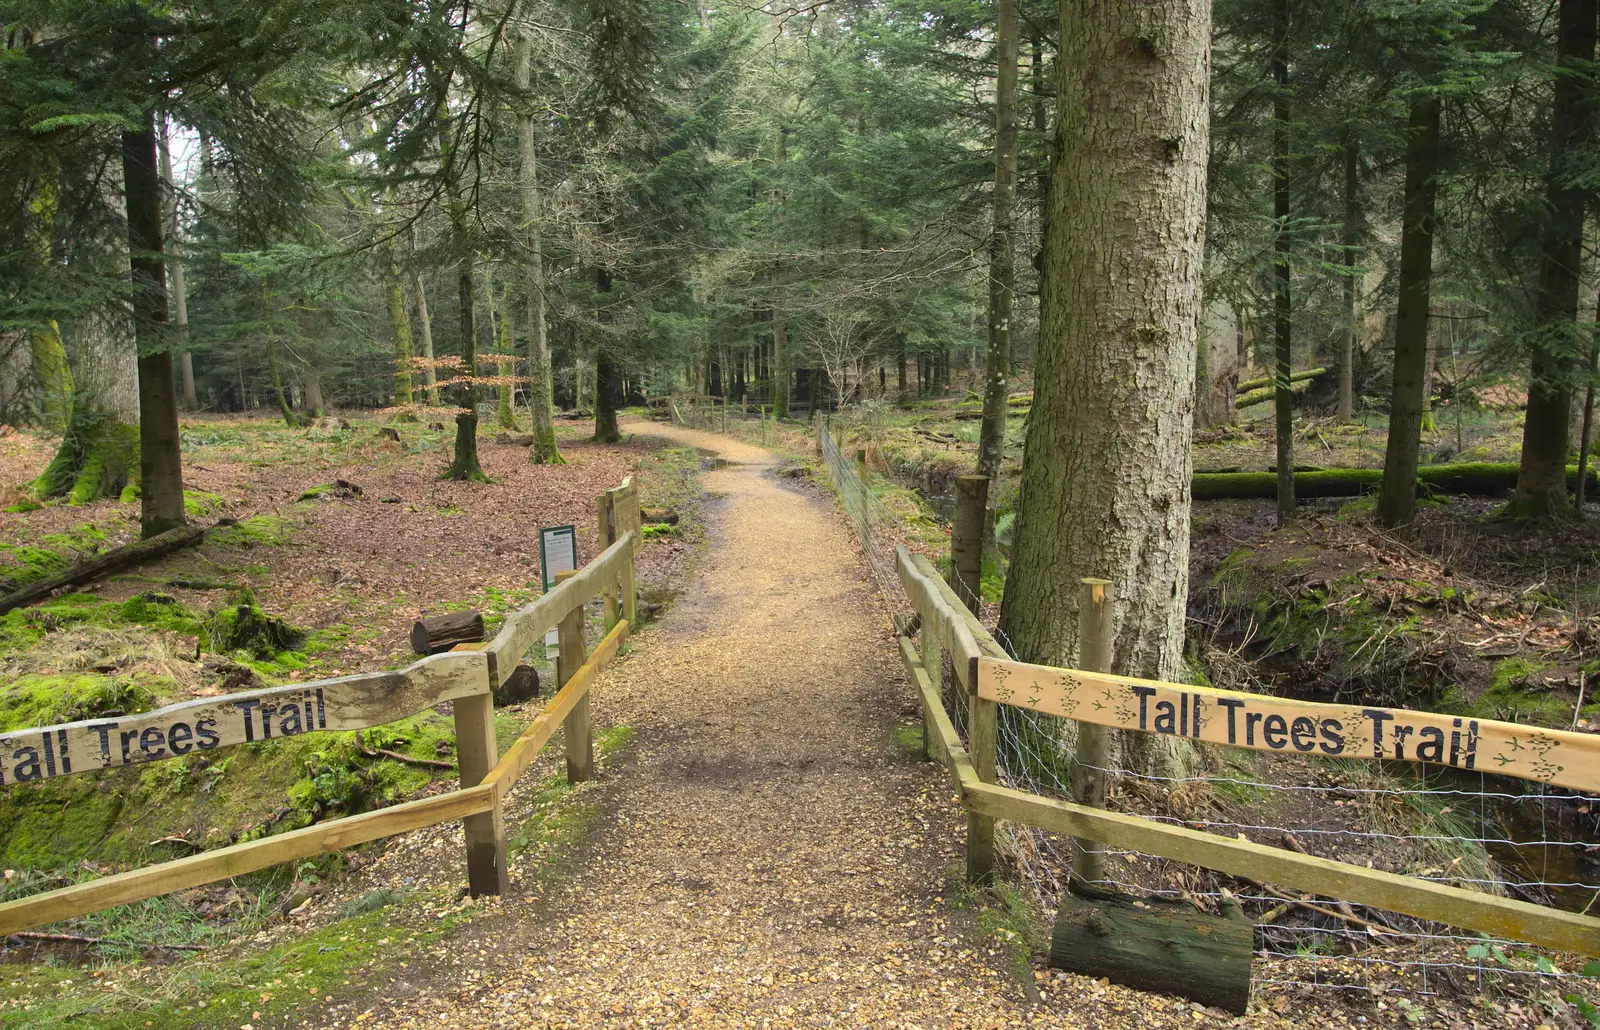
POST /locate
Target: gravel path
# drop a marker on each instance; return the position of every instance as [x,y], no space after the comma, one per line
[774,858]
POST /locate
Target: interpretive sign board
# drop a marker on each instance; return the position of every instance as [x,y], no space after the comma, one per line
[558,552]
[1286,726]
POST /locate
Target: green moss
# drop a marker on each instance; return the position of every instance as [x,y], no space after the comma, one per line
[242,626]
[34,699]
[255,531]
[908,740]
[199,503]
[23,506]
[316,492]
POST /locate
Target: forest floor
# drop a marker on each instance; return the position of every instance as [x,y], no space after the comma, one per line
[761,849]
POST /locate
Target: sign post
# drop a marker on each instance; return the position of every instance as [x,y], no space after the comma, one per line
[558,552]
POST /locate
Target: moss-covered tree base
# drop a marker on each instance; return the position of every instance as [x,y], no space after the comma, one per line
[244,626]
[544,451]
[465,466]
[98,457]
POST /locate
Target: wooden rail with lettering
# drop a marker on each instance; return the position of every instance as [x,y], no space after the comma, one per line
[941,613]
[1263,723]
[465,676]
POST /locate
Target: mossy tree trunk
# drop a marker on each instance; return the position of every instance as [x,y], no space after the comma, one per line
[1282,317]
[541,388]
[286,409]
[400,326]
[1398,502]
[1002,262]
[1352,251]
[1542,487]
[51,373]
[160,457]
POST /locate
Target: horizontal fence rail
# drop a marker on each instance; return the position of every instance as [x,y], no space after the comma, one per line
[465,676]
[988,677]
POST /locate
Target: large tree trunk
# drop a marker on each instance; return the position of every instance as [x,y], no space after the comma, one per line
[180,293]
[1398,502]
[1542,488]
[541,403]
[1282,311]
[1105,483]
[1002,261]
[1352,243]
[160,460]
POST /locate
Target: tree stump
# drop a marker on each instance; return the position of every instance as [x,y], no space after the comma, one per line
[1167,947]
[436,633]
[522,685]
[390,432]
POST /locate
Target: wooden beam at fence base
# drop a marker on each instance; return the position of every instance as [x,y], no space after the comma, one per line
[522,753]
[151,881]
[1390,892]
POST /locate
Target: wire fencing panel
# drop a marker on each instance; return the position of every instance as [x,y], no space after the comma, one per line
[1526,841]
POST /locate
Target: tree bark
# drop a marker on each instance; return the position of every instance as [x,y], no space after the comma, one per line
[1105,483]
[51,372]
[400,325]
[1398,501]
[1282,310]
[160,459]
[541,402]
[605,378]
[180,293]
[1352,244]
[780,359]
[1541,490]
[425,329]
[1002,262]
[465,465]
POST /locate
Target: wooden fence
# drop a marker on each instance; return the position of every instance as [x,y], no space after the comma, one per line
[466,677]
[990,678]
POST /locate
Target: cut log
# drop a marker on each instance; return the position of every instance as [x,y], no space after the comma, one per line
[658,515]
[522,685]
[1294,377]
[105,564]
[514,439]
[1488,479]
[437,633]
[1166,947]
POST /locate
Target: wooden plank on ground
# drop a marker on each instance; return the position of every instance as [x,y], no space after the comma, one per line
[1390,892]
[525,749]
[150,881]
[1286,726]
[205,724]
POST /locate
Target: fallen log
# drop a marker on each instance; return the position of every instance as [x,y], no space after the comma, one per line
[1487,479]
[1294,377]
[1157,945]
[105,564]
[438,633]
[1266,393]
[514,439]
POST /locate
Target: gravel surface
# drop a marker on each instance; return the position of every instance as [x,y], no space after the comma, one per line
[774,858]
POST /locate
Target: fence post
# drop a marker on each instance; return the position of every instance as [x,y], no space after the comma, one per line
[933,665]
[983,733]
[475,756]
[572,652]
[861,459]
[724,414]
[1093,752]
[816,418]
[606,510]
[966,539]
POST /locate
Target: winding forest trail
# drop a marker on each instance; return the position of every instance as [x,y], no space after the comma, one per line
[772,856]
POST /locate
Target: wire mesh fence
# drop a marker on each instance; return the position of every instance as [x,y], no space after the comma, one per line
[1493,834]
